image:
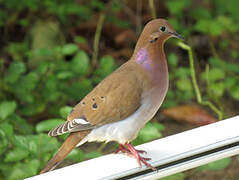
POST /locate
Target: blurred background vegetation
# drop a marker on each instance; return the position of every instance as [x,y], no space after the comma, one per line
[49,61]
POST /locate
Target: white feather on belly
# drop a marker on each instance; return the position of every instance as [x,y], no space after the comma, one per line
[125,130]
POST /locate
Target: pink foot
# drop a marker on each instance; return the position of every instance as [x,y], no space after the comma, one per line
[131,151]
[123,149]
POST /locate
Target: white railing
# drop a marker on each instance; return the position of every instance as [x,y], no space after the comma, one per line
[169,155]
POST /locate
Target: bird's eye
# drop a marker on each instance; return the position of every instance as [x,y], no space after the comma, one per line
[162,28]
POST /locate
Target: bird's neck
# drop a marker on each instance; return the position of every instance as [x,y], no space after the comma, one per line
[153,60]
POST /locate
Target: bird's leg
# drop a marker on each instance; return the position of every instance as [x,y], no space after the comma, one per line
[136,154]
[123,149]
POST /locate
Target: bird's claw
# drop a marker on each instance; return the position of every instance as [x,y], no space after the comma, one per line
[132,152]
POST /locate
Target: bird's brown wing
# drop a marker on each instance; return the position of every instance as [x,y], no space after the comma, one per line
[115,98]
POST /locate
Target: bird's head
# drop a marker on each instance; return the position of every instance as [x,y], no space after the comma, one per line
[156,31]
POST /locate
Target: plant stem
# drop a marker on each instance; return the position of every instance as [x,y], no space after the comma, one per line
[194,80]
[153,9]
[97,39]
[214,52]
[98,34]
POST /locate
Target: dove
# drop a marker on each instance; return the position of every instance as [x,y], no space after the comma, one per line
[121,104]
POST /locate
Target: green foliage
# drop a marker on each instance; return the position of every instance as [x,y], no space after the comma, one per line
[178,176]
[70,49]
[106,66]
[43,69]
[42,88]
[177,7]
[150,132]
[16,154]
[93,154]
[65,111]
[219,79]
[182,83]
[14,72]
[47,125]
[80,63]
[216,165]
[7,108]
[213,22]
[24,153]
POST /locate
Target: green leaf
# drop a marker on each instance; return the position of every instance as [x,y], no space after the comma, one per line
[215,28]
[34,108]
[234,92]
[76,155]
[14,72]
[201,13]
[70,49]
[7,129]
[29,81]
[107,66]
[217,165]
[25,85]
[32,167]
[42,67]
[184,84]
[37,145]
[16,154]
[47,144]
[93,154]
[174,22]
[178,176]
[80,63]
[177,7]
[202,25]
[79,90]
[24,170]
[182,72]
[217,88]
[230,83]
[47,125]
[80,39]
[7,108]
[17,174]
[173,60]
[3,141]
[65,111]
[20,125]
[215,74]
[64,75]
[233,67]
[51,91]
[150,132]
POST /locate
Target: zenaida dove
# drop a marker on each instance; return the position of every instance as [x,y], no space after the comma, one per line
[118,107]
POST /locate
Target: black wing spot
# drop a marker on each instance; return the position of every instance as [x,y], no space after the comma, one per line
[93,99]
[94,106]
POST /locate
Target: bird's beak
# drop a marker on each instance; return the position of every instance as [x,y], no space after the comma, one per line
[174,34]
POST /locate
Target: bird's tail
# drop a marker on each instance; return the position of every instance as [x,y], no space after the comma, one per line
[65,149]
